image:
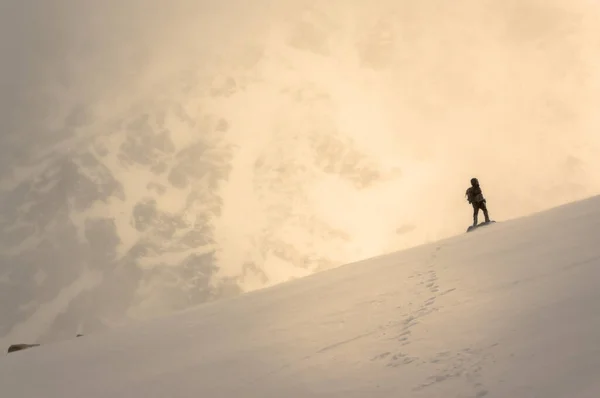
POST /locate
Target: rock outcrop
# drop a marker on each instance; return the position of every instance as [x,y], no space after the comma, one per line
[19,347]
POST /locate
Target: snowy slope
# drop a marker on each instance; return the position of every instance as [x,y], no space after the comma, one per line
[512,310]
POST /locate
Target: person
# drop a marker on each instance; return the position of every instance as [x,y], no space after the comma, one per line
[475,198]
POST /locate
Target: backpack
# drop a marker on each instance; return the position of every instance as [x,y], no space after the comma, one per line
[469,194]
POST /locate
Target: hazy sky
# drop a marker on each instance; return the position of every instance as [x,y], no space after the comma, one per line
[478,87]
[420,96]
[502,90]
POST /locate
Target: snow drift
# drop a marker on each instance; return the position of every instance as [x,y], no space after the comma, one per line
[510,310]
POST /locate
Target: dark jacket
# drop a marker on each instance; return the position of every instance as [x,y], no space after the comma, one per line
[474,194]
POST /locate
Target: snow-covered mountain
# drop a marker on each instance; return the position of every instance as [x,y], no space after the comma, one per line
[157,155]
[131,215]
[510,310]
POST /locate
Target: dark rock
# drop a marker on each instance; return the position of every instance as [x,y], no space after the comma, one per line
[19,347]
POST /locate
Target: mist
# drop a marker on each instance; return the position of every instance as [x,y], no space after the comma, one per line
[157,155]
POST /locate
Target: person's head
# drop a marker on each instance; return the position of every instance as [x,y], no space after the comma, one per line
[474,182]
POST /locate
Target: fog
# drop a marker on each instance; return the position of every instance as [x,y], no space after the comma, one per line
[340,130]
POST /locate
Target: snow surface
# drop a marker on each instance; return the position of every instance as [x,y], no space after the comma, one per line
[510,310]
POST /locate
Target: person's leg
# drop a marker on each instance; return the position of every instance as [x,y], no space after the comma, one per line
[475,213]
[485,212]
